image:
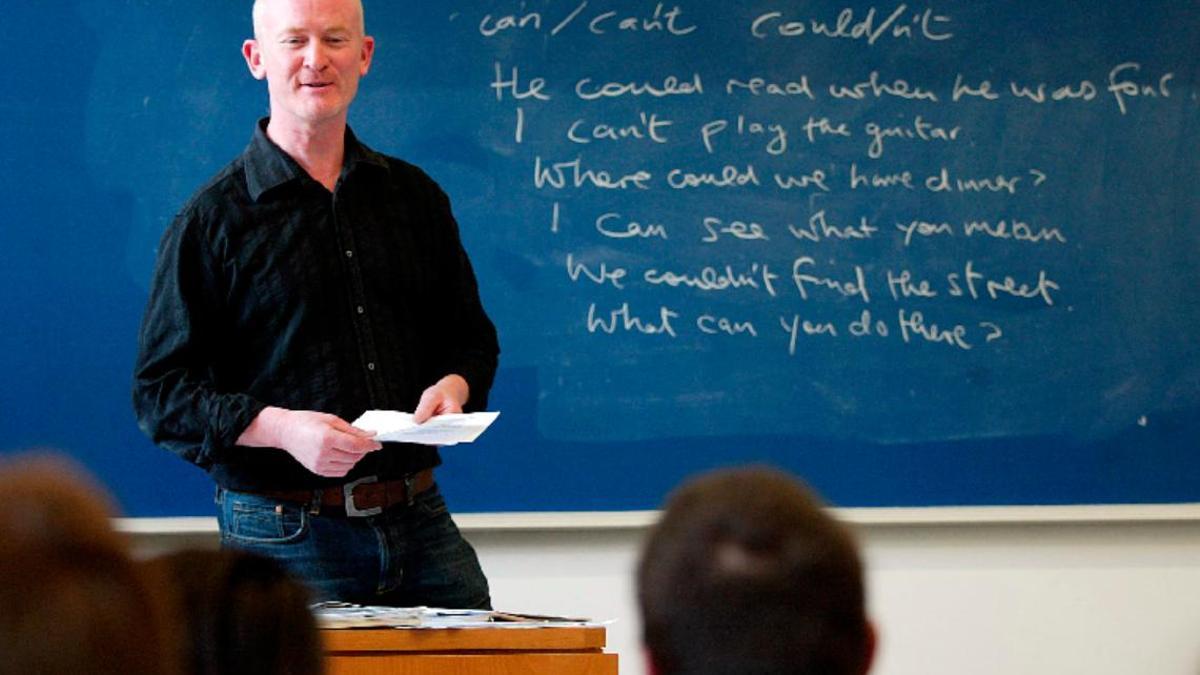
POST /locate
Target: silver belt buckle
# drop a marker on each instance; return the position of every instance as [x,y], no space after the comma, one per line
[353,511]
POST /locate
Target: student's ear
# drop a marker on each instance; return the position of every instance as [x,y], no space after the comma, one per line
[253,56]
[871,642]
[651,669]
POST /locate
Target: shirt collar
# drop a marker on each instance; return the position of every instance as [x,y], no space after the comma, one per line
[358,154]
[268,166]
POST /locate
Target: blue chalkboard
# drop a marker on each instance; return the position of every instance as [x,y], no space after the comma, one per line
[922,253]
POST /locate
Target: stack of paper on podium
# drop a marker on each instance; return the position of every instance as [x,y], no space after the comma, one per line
[348,615]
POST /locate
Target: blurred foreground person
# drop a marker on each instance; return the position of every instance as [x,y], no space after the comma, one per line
[242,613]
[745,574]
[71,598]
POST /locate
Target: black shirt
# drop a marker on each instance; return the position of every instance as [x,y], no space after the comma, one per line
[270,290]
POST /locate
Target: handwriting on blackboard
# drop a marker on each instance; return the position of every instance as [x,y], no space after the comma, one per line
[878,222]
[873,25]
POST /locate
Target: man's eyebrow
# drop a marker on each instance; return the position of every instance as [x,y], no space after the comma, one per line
[298,30]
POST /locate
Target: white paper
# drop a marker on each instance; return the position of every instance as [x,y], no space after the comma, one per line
[451,429]
[336,614]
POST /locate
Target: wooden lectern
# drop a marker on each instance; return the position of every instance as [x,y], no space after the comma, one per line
[557,650]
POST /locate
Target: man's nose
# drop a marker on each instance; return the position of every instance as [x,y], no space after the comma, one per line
[315,56]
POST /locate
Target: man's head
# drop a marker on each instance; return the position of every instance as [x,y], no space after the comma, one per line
[241,612]
[312,54]
[72,598]
[746,575]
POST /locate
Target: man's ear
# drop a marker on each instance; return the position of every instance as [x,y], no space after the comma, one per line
[253,57]
[368,50]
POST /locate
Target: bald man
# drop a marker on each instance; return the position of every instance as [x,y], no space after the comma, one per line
[310,280]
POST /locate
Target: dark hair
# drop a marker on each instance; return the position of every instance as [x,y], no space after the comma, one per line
[72,598]
[241,613]
[745,574]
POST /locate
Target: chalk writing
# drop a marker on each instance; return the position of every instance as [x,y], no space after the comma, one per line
[1123,86]
[573,174]
[1008,229]
[796,327]
[671,85]
[615,226]
[648,127]
[713,325]
[666,21]
[818,228]
[913,326]
[918,129]
[599,275]
[512,85]
[758,86]
[806,281]
[737,229]
[875,87]
[970,282]
[775,135]
[813,179]
[1013,229]
[622,319]
[757,277]
[900,23]
[904,284]
[728,176]
[845,202]
[873,179]
[822,126]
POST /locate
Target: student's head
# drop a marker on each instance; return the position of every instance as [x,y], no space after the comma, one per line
[241,613]
[72,600]
[312,54]
[745,574]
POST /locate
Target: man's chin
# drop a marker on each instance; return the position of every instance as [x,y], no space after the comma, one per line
[319,111]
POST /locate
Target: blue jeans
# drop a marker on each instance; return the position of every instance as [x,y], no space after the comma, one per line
[407,556]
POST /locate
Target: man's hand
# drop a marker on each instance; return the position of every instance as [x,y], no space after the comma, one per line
[324,444]
[447,395]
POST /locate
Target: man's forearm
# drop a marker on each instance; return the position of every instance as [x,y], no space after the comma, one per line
[324,444]
[266,431]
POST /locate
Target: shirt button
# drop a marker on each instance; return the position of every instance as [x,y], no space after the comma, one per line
[361,309]
[371,366]
[349,253]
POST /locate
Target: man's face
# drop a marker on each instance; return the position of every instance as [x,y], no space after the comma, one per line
[312,54]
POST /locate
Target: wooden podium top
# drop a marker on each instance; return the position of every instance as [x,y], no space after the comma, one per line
[481,650]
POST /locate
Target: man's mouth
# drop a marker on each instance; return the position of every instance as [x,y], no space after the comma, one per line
[315,85]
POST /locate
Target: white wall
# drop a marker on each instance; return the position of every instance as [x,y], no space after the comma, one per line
[1011,599]
[986,599]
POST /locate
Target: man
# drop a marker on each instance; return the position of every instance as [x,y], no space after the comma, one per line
[745,575]
[308,281]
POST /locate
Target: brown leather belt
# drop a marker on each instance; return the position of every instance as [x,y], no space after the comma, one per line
[367,496]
